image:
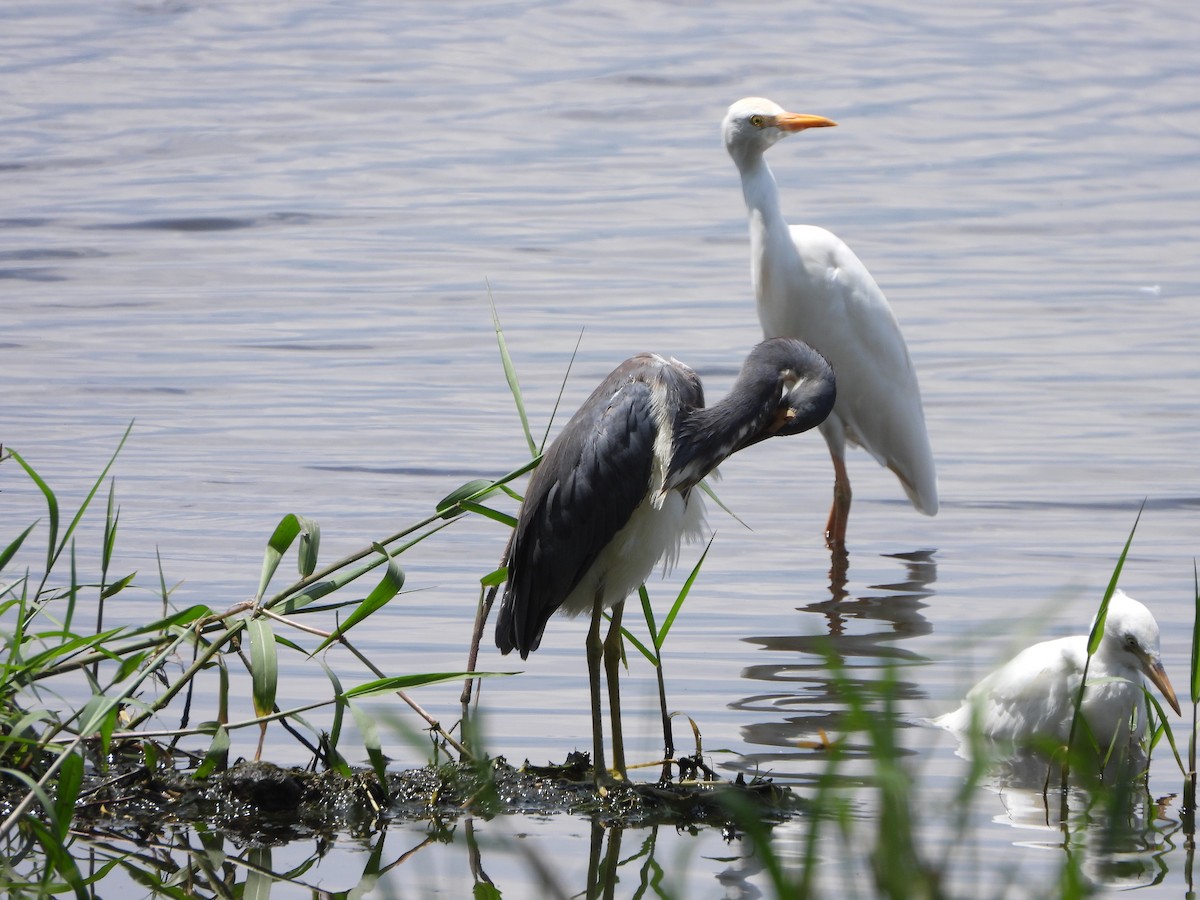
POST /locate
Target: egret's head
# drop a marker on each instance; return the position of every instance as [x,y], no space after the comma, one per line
[1131,631]
[753,124]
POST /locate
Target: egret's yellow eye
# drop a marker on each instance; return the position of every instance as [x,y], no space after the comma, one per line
[756,121]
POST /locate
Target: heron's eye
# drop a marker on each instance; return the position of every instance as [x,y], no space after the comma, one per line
[757,121]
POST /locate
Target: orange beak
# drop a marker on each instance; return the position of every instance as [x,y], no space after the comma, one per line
[800,121]
[1158,676]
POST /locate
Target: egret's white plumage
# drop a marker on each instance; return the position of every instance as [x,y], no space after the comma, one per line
[810,285]
[1033,695]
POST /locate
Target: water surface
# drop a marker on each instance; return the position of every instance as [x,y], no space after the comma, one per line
[269,235]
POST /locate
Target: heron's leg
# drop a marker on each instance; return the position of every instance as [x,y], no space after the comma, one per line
[612,670]
[595,650]
[835,528]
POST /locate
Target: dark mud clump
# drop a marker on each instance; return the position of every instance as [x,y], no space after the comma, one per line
[263,802]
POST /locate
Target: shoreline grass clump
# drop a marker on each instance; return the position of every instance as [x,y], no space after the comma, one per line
[130,673]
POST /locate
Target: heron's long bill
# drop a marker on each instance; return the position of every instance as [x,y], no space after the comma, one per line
[799,121]
[1158,675]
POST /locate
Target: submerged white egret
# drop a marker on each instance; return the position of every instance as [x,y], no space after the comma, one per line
[1033,695]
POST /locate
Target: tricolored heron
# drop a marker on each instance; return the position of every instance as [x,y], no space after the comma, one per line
[613,494]
[1034,693]
[810,285]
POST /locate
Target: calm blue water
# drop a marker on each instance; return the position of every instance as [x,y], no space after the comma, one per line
[269,235]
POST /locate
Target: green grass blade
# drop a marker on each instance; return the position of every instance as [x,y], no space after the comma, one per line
[310,544]
[712,495]
[176,620]
[337,761]
[264,665]
[403,682]
[70,777]
[1195,683]
[259,880]
[495,578]
[683,595]
[117,586]
[641,648]
[488,513]
[289,528]
[388,587]
[452,504]
[648,614]
[1098,629]
[51,506]
[8,552]
[112,518]
[370,735]
[472,490]
[216,755]
[1162,717]
[72,592]
[88,500]
[162,579]
[510,374]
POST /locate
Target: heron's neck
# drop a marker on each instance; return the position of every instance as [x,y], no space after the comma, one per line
[706,436]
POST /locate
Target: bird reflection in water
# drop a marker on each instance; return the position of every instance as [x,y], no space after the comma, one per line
[863,636]
[1107,820]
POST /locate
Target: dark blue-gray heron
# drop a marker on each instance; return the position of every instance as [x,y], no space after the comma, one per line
[613,494]
[810,285]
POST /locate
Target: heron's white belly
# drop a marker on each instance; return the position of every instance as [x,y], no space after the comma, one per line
[650,534]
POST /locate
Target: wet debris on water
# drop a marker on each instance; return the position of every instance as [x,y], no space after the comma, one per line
[265,802]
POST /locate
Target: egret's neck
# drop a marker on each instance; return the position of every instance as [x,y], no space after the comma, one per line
[762,198]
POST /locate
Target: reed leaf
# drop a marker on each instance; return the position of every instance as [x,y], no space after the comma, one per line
[51,507]
[264,664]
[215,756]
[1097,632]
[388,587]
[66,792]
[495,578]
[488,513]
[259,880]
[682,596]
[289,528]
[1195,673]
[117,586]
[403,682]
[8,552]
[371,743]
[310,544]
[510,375]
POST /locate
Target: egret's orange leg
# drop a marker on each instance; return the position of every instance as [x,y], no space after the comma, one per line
[839,513]
[612,671]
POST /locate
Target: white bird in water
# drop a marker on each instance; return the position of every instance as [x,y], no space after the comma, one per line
[810,285]
[1033,695]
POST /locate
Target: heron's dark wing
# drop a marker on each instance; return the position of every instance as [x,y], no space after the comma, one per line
[586,488]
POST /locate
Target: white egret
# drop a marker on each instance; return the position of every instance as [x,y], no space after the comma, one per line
[810,285]
[1033,695]
[613,494]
